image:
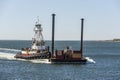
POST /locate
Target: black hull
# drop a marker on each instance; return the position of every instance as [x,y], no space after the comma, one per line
[80,61]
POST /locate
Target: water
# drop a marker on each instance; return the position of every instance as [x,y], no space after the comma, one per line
[103,64]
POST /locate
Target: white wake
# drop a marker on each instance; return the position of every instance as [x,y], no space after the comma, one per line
[8,56]
[6,53]
[46,61]
[9,50]
[90,60]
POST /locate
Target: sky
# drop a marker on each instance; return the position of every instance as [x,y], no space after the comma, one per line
[101,19]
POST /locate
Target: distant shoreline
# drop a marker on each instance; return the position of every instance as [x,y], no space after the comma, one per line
[114,40]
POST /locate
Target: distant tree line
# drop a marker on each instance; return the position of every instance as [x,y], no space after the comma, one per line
[116,39]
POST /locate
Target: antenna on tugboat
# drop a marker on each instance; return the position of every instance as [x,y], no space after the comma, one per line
[37,20]
[81,45]
[53,28]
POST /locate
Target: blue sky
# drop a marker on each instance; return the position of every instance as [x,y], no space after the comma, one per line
[18,17]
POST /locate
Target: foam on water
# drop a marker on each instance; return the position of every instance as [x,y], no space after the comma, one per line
[90,60]
[46,61]
[6,53]
[8,56]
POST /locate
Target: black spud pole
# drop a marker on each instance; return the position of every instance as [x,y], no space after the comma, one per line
[81,45]
[53,28]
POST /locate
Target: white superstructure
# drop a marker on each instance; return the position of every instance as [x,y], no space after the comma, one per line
[38,42]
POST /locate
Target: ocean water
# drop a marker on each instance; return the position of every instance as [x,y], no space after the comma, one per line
[103,62]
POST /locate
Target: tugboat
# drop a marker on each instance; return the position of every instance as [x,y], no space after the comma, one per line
[38,49]
[67,55]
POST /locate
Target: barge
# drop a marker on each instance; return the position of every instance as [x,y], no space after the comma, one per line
[67,55]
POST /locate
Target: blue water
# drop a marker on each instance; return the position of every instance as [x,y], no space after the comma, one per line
[105,54]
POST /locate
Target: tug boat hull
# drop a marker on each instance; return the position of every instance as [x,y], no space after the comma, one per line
[32,56]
